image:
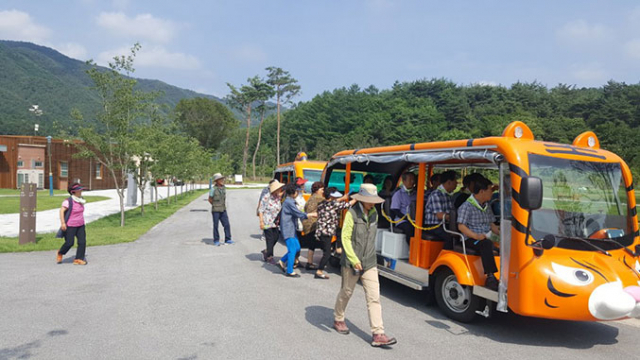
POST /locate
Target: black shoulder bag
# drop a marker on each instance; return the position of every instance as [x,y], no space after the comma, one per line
[62,234]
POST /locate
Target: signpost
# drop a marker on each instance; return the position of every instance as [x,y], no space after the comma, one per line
[28,201]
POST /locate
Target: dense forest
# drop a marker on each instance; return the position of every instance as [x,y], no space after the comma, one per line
[439,109]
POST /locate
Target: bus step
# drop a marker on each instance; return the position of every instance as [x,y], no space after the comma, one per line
[399,278]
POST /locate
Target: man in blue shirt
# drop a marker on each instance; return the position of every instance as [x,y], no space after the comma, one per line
[401,202]
[438,206]
[475,221]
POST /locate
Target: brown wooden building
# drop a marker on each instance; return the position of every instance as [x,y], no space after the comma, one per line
[26,159]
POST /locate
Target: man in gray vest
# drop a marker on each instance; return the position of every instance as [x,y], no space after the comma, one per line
[359,262]
[218,201]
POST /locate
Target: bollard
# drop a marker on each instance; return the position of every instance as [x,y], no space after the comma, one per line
[28,202]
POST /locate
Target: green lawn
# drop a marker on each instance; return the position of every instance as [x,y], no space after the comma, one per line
[11,204]
[107,230]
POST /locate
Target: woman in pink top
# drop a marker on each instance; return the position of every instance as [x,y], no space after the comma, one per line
[73,226]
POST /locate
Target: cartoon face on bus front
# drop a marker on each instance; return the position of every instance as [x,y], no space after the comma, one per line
[608,288]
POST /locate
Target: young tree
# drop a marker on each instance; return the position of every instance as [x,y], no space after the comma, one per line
[242,99]
[207,120]
[264,92]
[109,140]
[286,87]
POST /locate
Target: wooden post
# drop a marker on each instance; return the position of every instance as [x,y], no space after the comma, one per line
[28,202]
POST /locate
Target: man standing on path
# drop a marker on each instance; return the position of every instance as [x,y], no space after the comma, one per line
[359,262]
[218,201]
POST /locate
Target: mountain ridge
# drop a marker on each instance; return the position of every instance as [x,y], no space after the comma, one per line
[35,74]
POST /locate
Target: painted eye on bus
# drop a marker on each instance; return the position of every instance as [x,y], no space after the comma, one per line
[573,276]
[638,266]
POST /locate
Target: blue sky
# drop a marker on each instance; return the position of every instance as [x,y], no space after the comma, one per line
[202,45]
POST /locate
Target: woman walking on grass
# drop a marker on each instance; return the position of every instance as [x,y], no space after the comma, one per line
[288,224]
[72,225]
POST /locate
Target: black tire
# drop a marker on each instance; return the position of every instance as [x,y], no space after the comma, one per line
[455,300]
[430,295]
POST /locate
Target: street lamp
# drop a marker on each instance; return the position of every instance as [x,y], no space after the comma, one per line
[35,109]
[50,171]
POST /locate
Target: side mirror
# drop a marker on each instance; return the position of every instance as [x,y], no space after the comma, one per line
[531,193]
[548,242]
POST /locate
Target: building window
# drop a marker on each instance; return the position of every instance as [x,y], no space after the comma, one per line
[98,171]
[20,163]
[37,164]
[64,169]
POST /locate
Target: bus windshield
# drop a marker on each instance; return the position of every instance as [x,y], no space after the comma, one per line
[311,176]
[582,200]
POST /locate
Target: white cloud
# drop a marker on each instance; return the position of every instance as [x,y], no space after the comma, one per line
[249,53]
[154,57]
[580,32]
[142,27]
[592,73]
[487,83]
[18,25]
[73,50]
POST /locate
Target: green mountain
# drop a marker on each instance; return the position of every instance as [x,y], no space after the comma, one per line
[32,74]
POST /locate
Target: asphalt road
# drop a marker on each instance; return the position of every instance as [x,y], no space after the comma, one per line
[172,295]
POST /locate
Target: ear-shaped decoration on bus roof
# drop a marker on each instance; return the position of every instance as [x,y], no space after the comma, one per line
[518,130]
[587,139]
[302,156]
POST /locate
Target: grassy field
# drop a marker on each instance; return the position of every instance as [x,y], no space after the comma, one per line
[107,230]
[11,204]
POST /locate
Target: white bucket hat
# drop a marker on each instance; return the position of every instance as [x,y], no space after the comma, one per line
[217,176]
[369,194]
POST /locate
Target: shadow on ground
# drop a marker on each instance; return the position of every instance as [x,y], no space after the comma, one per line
[24,351]
[322,318]
[507,328]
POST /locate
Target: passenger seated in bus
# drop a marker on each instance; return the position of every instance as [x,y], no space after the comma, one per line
[439,205]
[475,221]
[400,203]
[369,179]
[471,180]
[434,183]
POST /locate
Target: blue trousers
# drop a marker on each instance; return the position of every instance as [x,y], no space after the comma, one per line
[224,218]
[293,246]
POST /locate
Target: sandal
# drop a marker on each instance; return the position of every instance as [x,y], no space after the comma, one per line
[323,276]
[311,266]
[281,266]
[294,275]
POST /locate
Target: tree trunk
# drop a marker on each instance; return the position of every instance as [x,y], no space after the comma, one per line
[156,188]
[121,196]
[142,199]
[175,191]
[255,153]
[245,155]
[278,134]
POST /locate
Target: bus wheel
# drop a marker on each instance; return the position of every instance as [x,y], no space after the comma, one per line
[455,300]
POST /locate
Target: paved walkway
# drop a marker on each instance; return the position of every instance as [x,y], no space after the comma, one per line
[172,295]
[49,220]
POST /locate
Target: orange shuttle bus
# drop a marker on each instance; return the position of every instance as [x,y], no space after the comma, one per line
[568,246]
[300,167]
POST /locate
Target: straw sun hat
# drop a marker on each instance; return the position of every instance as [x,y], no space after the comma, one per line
[369,194]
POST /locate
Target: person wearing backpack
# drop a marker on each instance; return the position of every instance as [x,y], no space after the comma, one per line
[72,225]
[218,201]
